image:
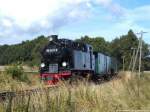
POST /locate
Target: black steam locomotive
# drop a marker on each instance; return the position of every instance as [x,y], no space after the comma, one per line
[63,58]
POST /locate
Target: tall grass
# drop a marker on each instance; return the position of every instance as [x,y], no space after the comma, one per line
[117,94]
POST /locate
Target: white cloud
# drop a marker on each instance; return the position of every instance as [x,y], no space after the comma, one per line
[140,14]
[134,18]
[27,18]
[39,16]
[25,12]
[6,23]
[112,6]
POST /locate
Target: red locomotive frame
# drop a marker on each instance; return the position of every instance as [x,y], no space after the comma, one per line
[55,77]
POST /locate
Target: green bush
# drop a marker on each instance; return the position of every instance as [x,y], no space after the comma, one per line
[16,71]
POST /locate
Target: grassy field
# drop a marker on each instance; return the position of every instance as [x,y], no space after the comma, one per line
[122,93]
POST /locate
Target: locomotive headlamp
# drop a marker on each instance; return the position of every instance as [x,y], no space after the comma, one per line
[50,38]
[64,64]
[42,65]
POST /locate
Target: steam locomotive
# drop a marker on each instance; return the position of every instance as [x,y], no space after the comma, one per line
[63,59]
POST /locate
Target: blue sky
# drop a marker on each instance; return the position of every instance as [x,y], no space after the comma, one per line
[26,19]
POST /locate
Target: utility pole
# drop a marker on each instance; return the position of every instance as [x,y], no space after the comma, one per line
[140,49]
[135,59]
[123,57]
[132,58]
[140,57]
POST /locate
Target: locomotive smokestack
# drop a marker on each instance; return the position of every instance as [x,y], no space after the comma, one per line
[53,37]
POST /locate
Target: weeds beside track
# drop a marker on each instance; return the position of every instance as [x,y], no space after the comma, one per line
[110,96]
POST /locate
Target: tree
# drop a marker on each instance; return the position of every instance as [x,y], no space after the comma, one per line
[122,47]
[99,44]
[27,52]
